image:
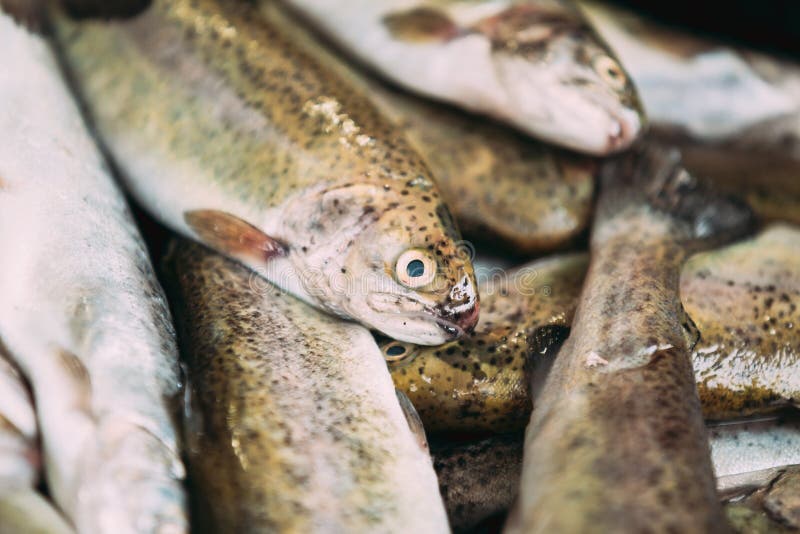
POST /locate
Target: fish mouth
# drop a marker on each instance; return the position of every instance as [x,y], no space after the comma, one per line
[461,323]
[625,128]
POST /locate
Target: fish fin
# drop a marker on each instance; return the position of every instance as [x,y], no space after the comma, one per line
[233,236]
[421,24]
[413,419]
[654,174]
[690,330]
[79,377]
[543,345]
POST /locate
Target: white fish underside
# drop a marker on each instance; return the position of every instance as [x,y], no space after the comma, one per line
[81,313]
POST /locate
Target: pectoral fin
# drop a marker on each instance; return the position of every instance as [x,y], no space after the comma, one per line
[412,417]
[233,236]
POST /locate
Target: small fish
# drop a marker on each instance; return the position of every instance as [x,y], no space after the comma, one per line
[293,424]
[229,133]
[712,92]
[480,479]
[616,442]
[535,64]
[482,382]
[500,185]
[82,315]
[742,299]
[23,510]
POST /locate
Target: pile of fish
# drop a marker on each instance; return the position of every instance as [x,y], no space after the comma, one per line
[612,345]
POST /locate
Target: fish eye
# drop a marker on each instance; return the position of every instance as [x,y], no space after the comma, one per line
[397,351]
[610,72]
[415,268]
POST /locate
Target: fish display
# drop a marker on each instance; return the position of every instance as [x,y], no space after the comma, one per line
[23,510]
[499,184]
[81,314]
[535,64]
[618,428]
[293,424]
[228,133]
[742,368]
[482,382]
[480,479]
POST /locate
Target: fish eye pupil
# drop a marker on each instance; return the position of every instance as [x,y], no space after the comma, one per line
[395,350]
[415,268]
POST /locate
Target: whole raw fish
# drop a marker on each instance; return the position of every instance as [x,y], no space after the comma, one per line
[23,510]
[81,313]
[229,133]
[480,479]
[616,442]
[742,298]
[500,185]
[535,64]
[293,423]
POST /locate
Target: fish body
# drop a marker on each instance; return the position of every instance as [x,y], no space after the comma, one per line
[742,299]
[231,135]
[616,442]
[535,64]
[23,510]
[82,315]
[293,424]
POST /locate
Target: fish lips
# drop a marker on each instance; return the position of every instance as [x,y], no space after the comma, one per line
[414,321]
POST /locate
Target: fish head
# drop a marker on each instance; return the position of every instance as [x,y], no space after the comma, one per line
[561,77]
[414,274]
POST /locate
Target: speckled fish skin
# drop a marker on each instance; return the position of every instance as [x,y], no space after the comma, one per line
[500,186]
[742,367]
[616,442]
[744,299]
[231,135]
[712,92]
[535,64]
[23,510]
[478,479]
[770,447]
[772,509]
[294,425]
[82,315]
[482,382]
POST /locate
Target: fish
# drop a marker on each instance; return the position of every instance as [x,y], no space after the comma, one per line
[712,93]
[293,424]
[230,134]
[741,297]
[481,383]
[747,455]
[23,510]
[501,186]
[82,315]
[617,441]
[534,64]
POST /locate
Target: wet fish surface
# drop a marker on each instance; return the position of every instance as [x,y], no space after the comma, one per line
[535,64]
[618,428]
[82,315]
[293,423]
[23,510]
[230,134]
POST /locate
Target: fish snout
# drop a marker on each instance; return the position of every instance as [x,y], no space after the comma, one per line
[625,128]
[459,315]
